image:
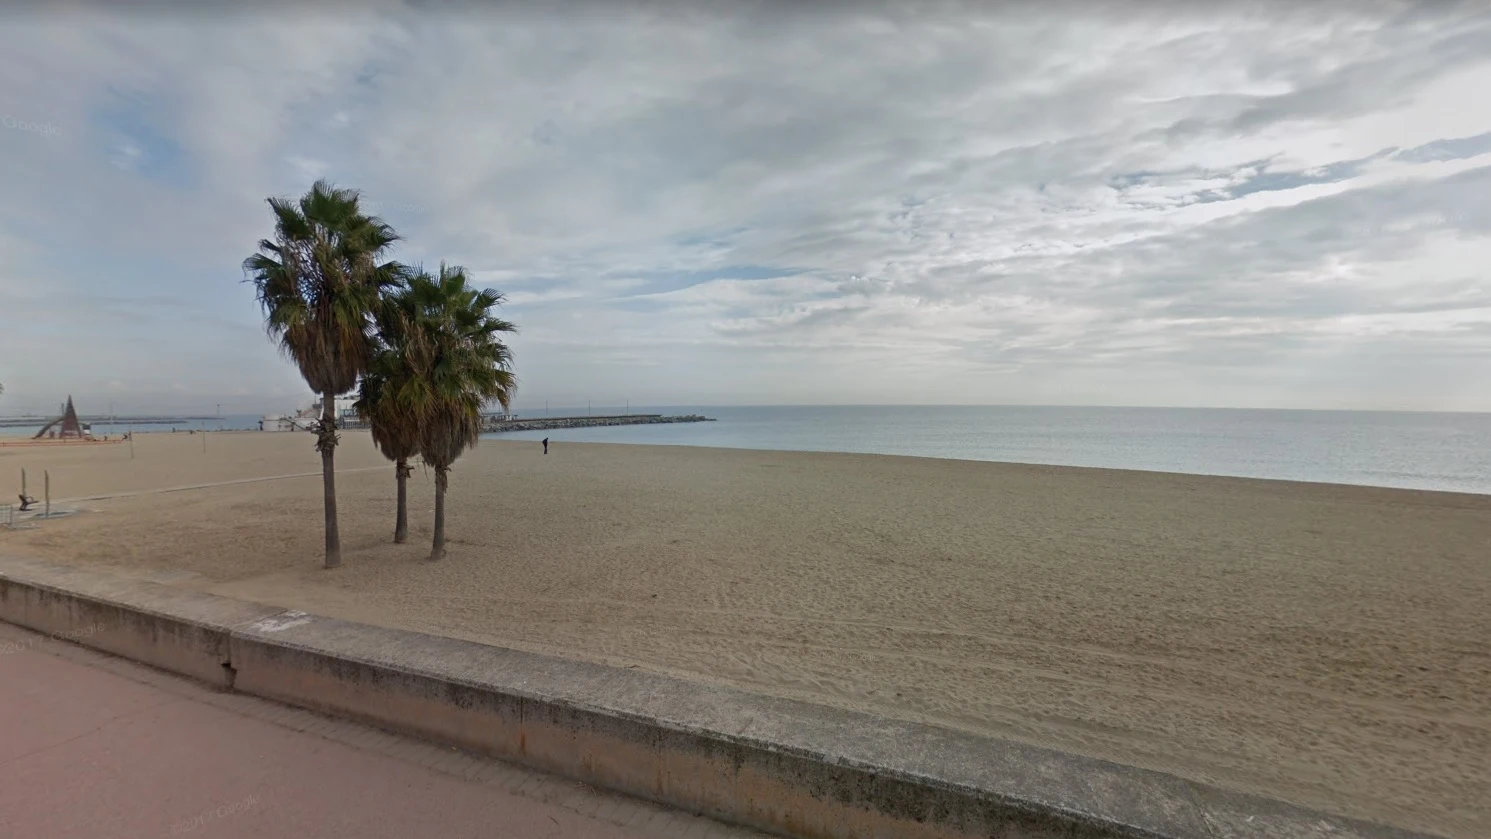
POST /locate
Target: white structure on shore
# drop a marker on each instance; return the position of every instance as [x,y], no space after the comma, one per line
[306,418]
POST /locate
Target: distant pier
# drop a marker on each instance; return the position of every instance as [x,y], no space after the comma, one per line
[492,425]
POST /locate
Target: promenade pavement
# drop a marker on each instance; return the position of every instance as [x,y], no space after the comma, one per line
[93,746]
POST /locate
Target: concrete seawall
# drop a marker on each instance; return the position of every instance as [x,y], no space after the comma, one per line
[786,767]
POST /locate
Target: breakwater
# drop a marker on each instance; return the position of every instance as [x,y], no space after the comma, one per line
[493,425]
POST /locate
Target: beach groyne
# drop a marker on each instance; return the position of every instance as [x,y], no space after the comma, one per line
[791,768]
[493,425]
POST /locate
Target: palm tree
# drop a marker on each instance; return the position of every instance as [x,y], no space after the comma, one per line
[319,282]
[460,364]
[388,398]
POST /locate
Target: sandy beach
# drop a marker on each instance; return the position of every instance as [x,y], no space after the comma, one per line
[1327,645]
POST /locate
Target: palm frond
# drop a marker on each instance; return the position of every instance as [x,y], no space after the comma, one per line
[319,281]
[445,361]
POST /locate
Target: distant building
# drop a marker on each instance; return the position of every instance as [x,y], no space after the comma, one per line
[306,418]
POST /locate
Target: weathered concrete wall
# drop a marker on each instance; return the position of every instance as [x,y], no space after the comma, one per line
[787,767]
[181,631]
[649,736]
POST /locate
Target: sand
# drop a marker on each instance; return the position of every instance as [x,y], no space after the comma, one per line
[1326,645]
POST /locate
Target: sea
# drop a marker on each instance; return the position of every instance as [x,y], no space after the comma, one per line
[122,425]
[1437,451]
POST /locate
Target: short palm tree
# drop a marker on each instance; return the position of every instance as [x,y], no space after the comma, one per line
[319,281]
[460,364]
[389,398]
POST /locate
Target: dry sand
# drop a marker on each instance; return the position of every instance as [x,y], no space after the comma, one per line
[1327,645]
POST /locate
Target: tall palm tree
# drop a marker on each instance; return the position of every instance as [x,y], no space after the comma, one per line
[319,282]
[461,364]
[389,398]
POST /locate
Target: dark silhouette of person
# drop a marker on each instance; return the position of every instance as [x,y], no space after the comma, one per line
[546,445]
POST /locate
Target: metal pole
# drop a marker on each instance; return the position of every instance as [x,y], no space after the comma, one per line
[23,481]
[47,479]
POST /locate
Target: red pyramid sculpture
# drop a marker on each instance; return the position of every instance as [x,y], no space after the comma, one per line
[70,428]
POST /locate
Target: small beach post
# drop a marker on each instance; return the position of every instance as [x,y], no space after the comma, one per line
[46,485]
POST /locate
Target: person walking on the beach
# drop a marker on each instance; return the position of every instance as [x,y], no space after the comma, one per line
[546,445]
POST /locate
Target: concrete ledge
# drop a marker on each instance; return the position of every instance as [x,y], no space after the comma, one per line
[185,632]
[787,767]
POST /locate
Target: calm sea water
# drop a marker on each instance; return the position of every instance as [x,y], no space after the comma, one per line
[1413,450]
[227,422]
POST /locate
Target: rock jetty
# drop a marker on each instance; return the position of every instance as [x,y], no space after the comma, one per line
[497,424]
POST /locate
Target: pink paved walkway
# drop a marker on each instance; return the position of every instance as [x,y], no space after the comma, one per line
[93,746]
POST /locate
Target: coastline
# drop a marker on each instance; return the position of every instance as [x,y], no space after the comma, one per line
[1434,451]
[1440,451]
[1237,631]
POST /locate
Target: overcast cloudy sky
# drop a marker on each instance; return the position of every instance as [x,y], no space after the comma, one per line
[1274,206]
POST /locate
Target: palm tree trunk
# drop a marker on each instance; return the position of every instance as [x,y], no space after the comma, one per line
[326,441]
[441,478]
[401,526]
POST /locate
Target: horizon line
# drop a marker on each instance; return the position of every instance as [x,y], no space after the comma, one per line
[641,406]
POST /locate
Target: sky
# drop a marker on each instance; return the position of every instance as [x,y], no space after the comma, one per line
[1268,205]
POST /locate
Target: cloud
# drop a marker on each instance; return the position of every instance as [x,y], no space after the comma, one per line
[754,203]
